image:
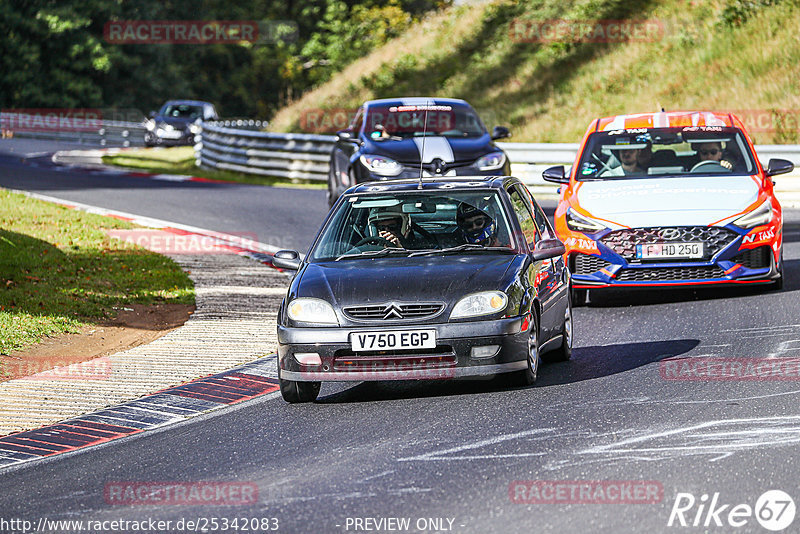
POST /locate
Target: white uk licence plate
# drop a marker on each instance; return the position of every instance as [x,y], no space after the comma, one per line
[393,340]
[669,250]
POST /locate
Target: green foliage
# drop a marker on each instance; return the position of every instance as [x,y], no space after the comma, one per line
[736,12]
[54,55]
[347,34]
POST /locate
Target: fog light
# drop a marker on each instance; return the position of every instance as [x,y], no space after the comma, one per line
[486,351]
[308,358]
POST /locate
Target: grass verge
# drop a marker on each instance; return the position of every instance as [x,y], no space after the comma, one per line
[59,271]
[181,160]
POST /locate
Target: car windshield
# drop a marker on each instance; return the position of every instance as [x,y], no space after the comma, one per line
[182,111]
[677,151]
[415,223]
[417,120]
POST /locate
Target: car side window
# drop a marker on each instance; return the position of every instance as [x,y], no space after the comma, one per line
[526,220]
[542,224]
[358,120]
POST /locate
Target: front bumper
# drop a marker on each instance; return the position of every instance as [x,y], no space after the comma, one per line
[450,359]
[741,260]
[174,138]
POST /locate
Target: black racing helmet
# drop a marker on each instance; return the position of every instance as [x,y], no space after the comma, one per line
[481,231]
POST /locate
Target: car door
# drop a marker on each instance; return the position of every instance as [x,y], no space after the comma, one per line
[560,278]
[541,274]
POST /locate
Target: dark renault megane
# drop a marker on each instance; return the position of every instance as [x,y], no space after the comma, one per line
[425,279]
[392,138]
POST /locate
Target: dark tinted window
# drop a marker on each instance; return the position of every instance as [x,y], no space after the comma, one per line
[182,111]
[427,220]
[450,120]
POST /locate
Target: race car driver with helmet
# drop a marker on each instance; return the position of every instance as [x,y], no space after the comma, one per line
[476,226]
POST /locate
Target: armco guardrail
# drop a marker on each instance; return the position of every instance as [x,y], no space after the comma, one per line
[303,156]
[232,146]
[105,134]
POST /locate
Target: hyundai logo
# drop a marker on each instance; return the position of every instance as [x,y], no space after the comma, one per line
[669,233]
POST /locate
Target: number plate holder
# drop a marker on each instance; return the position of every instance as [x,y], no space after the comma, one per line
[649,251]
[393,340]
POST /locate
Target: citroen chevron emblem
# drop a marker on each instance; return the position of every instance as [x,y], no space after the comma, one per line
[392,311]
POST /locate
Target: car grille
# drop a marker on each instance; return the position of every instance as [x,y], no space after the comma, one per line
[586,264]
[394,360]
[755,258]
[624,242]
[669,274]
[393,312]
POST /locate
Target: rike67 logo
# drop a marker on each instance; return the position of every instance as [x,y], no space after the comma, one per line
[774,510]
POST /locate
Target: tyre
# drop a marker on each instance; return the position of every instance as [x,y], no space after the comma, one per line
[295,392]
[527,377]
[564,352]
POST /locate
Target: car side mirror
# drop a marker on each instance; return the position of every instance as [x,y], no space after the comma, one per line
[500,132]
[556,175]
[151,114]
[779,166]
[346,136]
[286,259]
[548,248]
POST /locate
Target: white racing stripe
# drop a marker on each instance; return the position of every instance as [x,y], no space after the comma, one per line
[434,147]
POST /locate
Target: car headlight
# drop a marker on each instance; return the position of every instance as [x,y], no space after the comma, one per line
[308,310]
[482,303]
[381,165]
[757,217]
[491,162]
[168,127]
[579,223]
[150,124]
[195,128]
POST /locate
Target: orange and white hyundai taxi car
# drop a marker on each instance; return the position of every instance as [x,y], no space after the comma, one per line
[669,199]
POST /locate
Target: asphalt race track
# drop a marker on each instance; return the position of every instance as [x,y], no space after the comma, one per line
[449,456]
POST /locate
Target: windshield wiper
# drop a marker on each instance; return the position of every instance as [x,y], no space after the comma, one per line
[382,252]
[458,248]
